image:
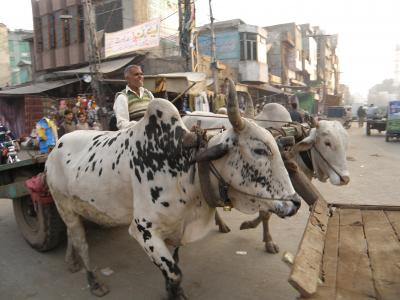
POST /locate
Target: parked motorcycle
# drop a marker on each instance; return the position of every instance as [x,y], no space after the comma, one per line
[8,152]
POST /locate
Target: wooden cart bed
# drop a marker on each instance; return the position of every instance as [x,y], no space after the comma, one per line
[349,252]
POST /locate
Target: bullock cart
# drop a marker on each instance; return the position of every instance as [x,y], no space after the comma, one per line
[39,223]
[349,252]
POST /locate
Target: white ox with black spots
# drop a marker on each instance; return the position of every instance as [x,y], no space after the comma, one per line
[141,176]
[327,143]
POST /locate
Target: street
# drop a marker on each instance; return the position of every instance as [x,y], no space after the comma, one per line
[212,268]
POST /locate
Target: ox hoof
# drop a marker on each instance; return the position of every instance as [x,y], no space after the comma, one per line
[99,289]
[224,228]
[271,247]
[246,225]
[96,287]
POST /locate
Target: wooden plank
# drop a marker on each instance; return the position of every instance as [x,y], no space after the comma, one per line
[307,264]
[384,253]
[354,276]
[366,207]
[329,261]
[394,219]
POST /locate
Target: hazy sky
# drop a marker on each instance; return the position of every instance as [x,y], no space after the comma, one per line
[368,30]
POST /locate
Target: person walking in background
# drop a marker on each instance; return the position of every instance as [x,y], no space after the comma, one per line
[294,114]
[361,114]
[82,122]
[131,103]
[68,125]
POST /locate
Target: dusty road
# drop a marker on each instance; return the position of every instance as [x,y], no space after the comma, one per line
[211,267]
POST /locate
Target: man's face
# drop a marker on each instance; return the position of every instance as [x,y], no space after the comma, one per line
[82,118]
[69,116]
[135,78]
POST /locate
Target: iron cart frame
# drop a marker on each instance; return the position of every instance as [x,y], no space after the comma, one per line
[40,224]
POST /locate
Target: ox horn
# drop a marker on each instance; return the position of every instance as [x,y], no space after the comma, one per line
[233,106]
[249,107]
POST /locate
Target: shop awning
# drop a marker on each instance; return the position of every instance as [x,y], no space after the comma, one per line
[176,82]
[267,88]
[37,88]
[104,68]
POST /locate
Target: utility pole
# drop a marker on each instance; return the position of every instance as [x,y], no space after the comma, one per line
[94,54]
[213,53]
[186,22]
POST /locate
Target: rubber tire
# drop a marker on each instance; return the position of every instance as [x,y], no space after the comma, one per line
[368,130]
[387,138]
[45,230]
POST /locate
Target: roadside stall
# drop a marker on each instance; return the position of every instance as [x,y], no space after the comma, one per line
[187,90]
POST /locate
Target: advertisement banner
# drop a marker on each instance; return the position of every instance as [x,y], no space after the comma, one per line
[139,37]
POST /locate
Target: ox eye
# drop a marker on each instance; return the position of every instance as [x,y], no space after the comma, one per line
[262,151]
[328,144]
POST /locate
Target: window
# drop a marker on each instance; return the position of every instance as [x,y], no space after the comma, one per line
[45,31]
[62,29]
[248,46]
[52,32]
[81,24]
[73,25]
[37,23]
[109,16]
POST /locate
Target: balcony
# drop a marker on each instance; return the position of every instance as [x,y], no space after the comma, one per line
[253,71]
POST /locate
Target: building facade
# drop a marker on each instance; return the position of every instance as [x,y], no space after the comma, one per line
[20,56]
[240,46]
[5,71]
[285,55]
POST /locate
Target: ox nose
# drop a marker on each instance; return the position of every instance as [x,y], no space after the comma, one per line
[344,180]
[296,200]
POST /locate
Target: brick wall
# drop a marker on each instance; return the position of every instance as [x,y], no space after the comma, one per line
[33,112]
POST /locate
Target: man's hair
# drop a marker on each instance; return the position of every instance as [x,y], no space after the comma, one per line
[81,114]
[67,111]
[128,69]
[294,105]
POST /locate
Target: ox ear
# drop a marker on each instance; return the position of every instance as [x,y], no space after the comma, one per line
[306,143]
[212,153]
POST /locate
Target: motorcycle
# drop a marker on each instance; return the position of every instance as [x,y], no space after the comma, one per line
[8,152]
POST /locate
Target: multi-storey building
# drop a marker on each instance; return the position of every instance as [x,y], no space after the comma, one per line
[243,48]
[285,55]
[309,57]
[20,56]
[5,73]
[61,35]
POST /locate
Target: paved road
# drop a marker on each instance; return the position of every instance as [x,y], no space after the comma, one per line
[211,267]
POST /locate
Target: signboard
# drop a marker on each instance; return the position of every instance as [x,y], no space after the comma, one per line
[143,36]
[227,45]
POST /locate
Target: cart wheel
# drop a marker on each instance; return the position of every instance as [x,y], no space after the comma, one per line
[387,138]
[42,228]
[368,130]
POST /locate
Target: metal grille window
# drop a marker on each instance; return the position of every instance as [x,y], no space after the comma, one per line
[38,34]
[73,24]
[62,35]
[248,46]
[81,24]
[45,30]
[52,32]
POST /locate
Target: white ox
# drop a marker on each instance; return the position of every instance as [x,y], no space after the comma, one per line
[327,143]
[141,176]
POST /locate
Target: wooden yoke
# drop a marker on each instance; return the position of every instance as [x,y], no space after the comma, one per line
[301,183]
